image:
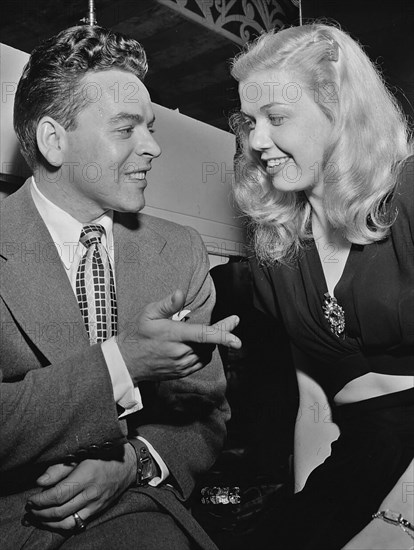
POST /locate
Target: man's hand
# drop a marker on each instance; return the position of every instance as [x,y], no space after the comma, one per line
[158,348]
[86,488]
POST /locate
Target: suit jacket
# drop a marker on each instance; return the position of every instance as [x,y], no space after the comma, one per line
[56,399]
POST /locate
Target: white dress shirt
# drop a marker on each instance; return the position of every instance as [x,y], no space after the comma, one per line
[65,232]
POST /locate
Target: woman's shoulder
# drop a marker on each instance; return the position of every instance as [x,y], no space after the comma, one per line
[404,190]
[403,200]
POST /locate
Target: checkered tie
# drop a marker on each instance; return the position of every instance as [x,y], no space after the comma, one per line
[95,288]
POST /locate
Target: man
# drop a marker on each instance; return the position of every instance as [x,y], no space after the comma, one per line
[110,407]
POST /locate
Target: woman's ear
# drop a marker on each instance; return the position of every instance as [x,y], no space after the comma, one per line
[51,140]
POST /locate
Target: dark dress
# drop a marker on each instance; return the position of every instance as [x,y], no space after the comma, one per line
[376,445]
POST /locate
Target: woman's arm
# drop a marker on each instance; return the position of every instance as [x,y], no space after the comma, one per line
[379,535]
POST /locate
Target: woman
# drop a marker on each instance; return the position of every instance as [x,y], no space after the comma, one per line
[326,177]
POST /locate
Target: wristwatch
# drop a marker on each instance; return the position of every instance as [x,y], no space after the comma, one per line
[145,470]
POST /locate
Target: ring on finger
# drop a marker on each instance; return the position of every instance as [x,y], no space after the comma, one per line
[80,525]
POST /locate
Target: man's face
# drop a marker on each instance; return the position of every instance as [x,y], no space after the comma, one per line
[109,153]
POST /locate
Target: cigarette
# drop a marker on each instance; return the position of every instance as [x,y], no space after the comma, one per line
[181,315]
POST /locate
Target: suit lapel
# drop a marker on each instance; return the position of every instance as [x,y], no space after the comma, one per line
[34,283]
[142,274]
[37,291]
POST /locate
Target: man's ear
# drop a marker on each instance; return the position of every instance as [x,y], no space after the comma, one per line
[51,140]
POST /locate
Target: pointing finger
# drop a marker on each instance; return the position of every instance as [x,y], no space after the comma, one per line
[206,334]
[228,324]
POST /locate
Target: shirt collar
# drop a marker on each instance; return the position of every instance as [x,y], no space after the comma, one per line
[64,229]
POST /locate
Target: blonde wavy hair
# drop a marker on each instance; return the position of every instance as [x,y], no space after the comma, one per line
[370,140]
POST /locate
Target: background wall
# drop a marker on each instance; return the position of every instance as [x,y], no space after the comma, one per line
[189,183]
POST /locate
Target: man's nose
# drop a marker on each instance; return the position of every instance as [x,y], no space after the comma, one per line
[146,145]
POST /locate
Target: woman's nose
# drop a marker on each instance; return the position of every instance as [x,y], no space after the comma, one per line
[260,139]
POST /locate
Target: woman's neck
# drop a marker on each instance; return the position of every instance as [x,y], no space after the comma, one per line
[320,223]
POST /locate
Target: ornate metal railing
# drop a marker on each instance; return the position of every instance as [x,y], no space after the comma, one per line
[237,20]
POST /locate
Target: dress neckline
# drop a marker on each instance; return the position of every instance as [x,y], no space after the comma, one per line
[318,274]
[332,309]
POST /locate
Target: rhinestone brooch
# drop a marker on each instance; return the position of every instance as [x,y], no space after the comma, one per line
[335,315]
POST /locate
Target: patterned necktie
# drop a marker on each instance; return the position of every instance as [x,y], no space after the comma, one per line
[95,288]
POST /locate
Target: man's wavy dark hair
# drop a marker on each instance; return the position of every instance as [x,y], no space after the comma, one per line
[51,80]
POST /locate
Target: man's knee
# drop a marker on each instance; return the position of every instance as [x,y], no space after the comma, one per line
[141,530]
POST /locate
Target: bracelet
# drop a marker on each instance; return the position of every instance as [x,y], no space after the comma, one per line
[220,495]
[395,518]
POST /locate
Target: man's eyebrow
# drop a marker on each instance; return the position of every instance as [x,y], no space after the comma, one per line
[138,119]
[272,104]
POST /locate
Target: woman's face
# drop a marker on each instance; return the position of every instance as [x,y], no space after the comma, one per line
[287,129]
